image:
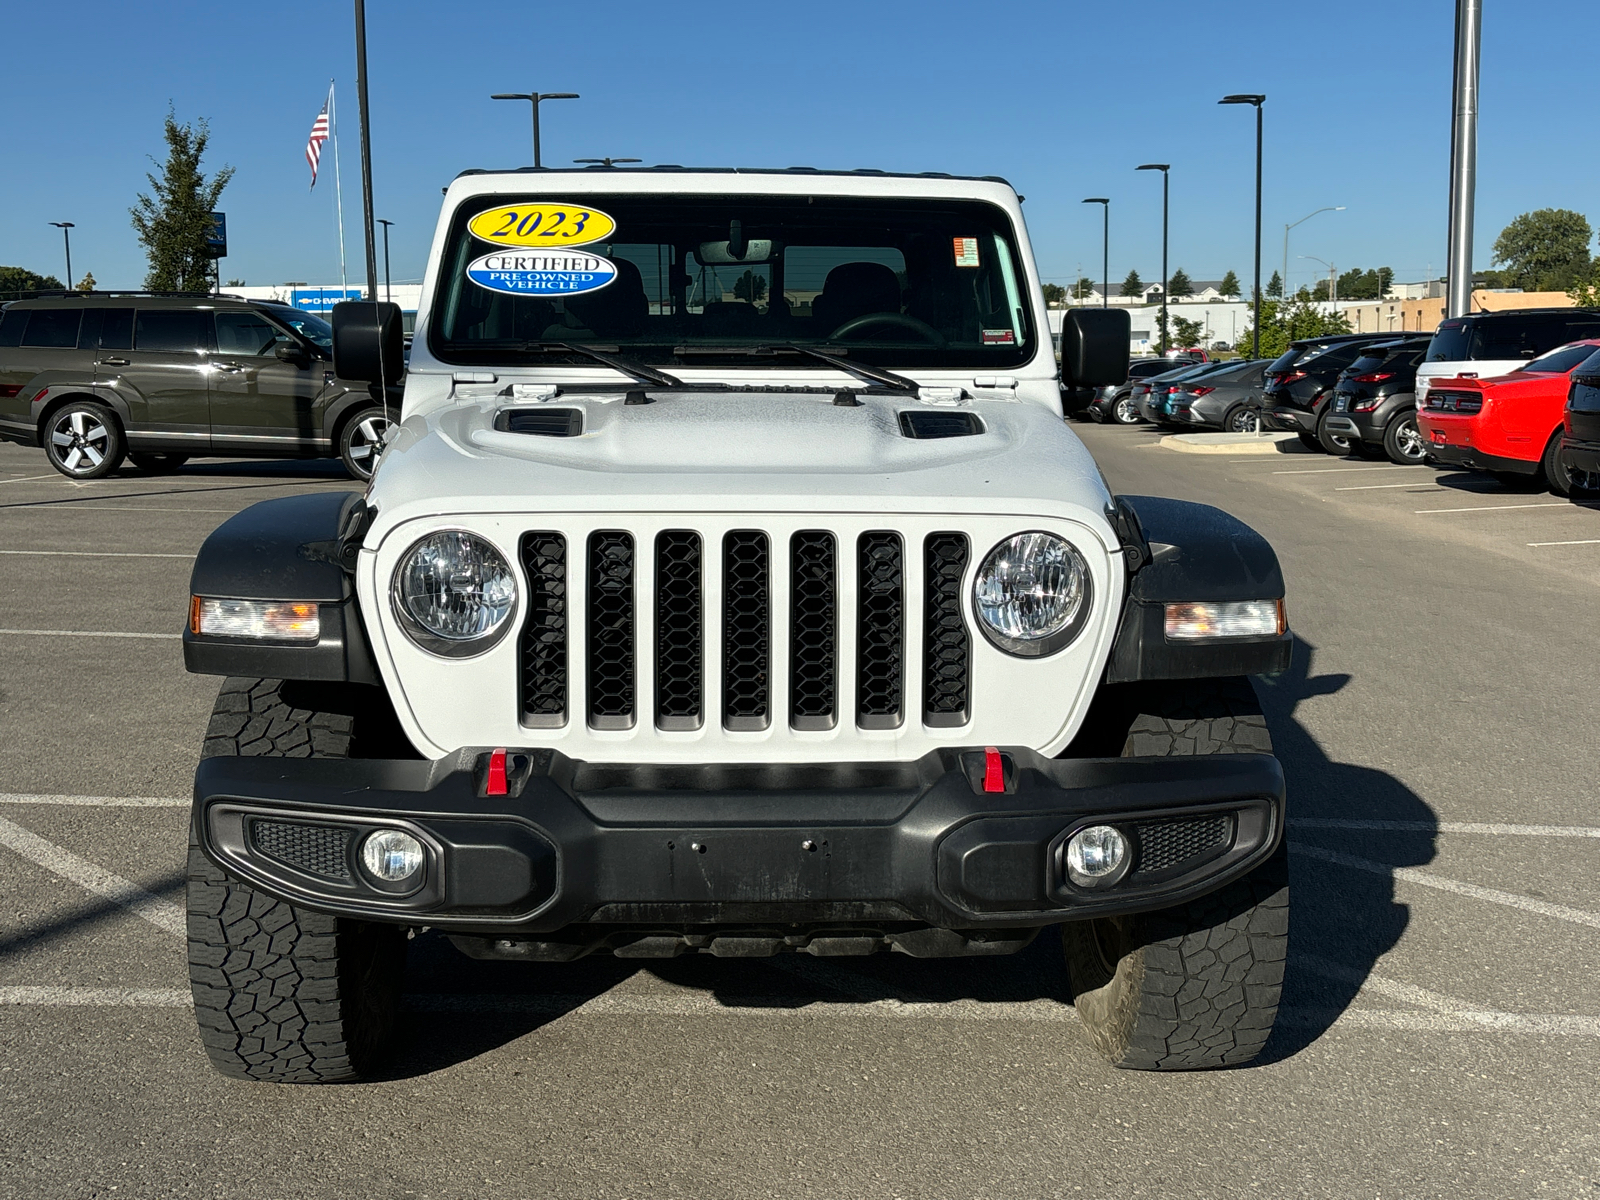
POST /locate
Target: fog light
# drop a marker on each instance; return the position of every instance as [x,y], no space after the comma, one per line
[391,855]
[1096,856]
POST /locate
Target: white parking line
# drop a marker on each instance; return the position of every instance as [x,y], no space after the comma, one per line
[29,478]
[1577,831]
[1346,470]
[84,633]
[1561,912]
[1373,487]
[94,801]
[1579,542]
[68,506]
[93,554]
[1492,507]
[160,913]
[98,997]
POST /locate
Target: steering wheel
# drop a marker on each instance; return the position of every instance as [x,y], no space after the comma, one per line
[851,329]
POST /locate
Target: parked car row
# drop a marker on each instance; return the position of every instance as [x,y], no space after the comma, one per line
[1515,394]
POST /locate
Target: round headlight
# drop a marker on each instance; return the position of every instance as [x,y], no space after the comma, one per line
[1032,594]
[454,593]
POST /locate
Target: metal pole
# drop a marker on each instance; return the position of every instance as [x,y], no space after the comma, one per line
[537,160]
[1464,155]
[1105,256]
[1164,177]
[66,236]
[366,149]
[387,296]
[1256,349]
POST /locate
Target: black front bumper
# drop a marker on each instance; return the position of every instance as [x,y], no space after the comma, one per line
[895,848]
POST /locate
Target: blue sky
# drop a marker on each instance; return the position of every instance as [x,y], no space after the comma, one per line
[1064,99]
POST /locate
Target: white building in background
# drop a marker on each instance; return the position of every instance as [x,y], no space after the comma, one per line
[320,298]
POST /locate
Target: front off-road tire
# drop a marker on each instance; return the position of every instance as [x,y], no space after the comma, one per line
[283,994]
[1198,985]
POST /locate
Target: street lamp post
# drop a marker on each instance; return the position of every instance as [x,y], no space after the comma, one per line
[1163,168]
[1258,101]
[387,297]
[1333,276]
[534,98]
[1105,247]
[1284,278]
[66,237]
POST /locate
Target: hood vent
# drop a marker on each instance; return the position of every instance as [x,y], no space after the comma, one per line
[544,422]
[922,424]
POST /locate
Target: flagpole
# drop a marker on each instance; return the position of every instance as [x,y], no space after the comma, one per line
[333,121]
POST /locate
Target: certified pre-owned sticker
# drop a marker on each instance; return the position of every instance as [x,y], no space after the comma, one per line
[543,225]
[542,272]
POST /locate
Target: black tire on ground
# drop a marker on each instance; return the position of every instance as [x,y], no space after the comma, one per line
[283,994]
[1243,417]
[156,464]
[1309,440]
[1331,442]
[1124,411]
[361,441]
[1402,441]
[1516,481]
[1553,466]
[1195,986]
[83,440]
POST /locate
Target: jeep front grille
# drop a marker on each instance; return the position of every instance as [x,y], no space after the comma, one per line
[727,624]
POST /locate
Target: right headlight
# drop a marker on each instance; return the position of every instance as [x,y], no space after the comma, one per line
[454,593]
[1032,594]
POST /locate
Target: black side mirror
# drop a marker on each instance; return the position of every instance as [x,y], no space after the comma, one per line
[1094,346]
[292,352]
[367,343]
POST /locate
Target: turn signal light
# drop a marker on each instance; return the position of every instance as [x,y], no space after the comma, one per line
[268,620]
[1194,622]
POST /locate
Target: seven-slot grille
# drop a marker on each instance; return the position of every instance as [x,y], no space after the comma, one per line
[714,615]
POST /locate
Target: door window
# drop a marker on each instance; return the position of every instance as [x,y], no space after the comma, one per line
[56,328]
[116,329]
[246,333]
[172,331]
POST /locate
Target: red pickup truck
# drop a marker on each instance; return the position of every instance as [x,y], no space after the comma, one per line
[1508,425]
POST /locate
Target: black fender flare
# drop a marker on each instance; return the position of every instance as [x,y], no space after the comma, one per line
[296,548]
[1178,551]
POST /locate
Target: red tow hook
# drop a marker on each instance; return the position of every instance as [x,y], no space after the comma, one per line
[496,785]
[994,771]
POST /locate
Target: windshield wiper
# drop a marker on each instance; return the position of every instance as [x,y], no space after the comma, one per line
[872,376]
[640,372]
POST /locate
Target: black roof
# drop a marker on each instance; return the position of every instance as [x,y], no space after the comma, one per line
[675,168]
[1524,312]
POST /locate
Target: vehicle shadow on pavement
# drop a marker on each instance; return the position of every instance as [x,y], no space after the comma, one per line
[1343,919]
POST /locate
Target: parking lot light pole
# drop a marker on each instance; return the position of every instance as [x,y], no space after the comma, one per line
[534,99]
[1284,278]
[1163,168]
[1105,248]
[387,297]
[66,227]
[1333,276]
[1258,101]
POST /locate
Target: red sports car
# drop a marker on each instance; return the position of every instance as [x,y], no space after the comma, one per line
[1508,425]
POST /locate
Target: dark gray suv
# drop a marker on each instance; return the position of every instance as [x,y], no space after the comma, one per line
[160,379]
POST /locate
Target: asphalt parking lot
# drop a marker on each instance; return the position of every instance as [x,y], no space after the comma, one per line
[1441,1029]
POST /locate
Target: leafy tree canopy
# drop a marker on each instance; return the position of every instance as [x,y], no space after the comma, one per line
[1229,285]
[16,282]
[86,284]
[1283,322]
[1546,250]
[1179,284]
[1084,288]
[1055,294]
[1186,333]
[174,221]
[1132,285]
[751,287]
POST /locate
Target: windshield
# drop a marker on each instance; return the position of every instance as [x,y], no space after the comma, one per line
[1508,337]
[694,280]
[1559,362]
[314,329]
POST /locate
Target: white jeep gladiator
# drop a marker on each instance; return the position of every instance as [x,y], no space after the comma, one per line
[733,585]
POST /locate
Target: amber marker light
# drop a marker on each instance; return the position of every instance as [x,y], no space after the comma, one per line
[264,620]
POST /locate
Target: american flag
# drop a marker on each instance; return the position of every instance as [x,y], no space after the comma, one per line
[319,134]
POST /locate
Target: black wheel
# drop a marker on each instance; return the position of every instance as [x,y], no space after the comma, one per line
[1197,985]
[1242,418]
[1553,466]
[361,441]
[283,994]
[82,440]
[1331,442]
[1402,440]
[1124,411]
[156,464]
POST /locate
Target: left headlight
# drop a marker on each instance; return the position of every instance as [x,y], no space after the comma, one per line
[454,593]
[1032,594]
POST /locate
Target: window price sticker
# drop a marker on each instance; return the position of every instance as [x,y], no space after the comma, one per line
[966,252]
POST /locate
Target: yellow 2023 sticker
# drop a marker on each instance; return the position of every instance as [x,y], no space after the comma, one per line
[542,225]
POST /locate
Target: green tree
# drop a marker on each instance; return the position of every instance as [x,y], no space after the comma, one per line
[86,284]
[1285,321]
[1084,288]
[1132,285]
[1275,286]
[174,222]
[17,282]
[751,287]
[1186,333]
[1546,250]
[1055,295]
[1229,285]
[1179,283]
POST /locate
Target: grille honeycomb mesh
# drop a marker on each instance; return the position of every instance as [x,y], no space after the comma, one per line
[813,633]
[881,619]
[746,630]
[680,648]
[1165,844]
[544,636]
[315,849]
[947,649]
[611,629]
